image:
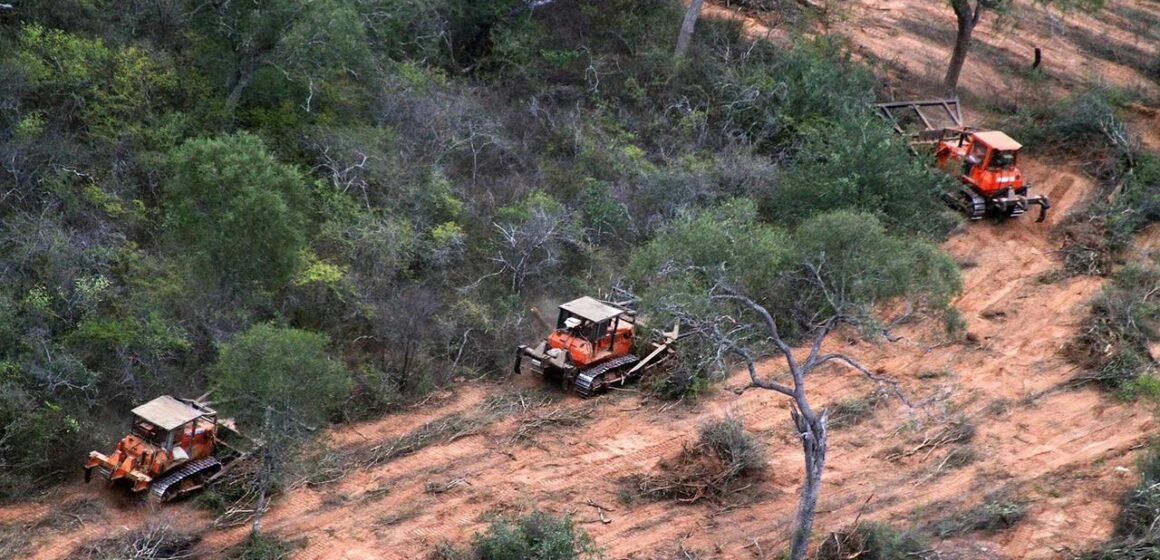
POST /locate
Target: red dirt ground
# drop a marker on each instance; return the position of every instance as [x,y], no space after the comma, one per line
[1068,452]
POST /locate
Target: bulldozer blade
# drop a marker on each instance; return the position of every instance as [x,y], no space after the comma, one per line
[1044,204]
[670,338]
[933,125]
[519,359]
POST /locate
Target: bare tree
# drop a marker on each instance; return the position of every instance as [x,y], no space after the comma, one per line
[969,12]
[968,16]
[534,245]
[753,295]
[811,424]
[687,26]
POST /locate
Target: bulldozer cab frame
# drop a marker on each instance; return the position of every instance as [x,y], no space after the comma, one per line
[590,319]
[166,422]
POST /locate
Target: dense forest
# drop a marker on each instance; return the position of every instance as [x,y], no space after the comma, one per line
[359,200]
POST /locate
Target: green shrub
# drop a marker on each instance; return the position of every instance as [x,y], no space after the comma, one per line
[1138,202]
[726,438]
[681,381]
[724,455]
[536,536]
[859,164]
[263,547]
[236,211]
[1141,508]
[780,95]
[1077,124]
[999,511]
[1136,536]
[1113,345]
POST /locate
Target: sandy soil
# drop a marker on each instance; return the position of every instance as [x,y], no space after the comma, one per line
[1068,453]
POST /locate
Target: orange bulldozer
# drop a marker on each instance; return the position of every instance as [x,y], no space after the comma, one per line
[983,161]
[594,345]
[174,446]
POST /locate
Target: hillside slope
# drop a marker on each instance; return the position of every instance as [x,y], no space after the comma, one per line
[1066,452]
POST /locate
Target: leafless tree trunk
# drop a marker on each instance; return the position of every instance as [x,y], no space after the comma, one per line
[265,479]
[967,18]
[686,35]
[811,425]
[812,430]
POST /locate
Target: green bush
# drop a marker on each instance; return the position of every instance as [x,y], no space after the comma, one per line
[536,536]
[1141,508]
[1077,124]
[1136,536]
[779,96]
[999,511]
[727,439]
[288,370]
[859,164]
[236,212]
[263,547]
[1113,344]
[1138,202]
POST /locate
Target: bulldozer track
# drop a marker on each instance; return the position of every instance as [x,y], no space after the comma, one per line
[588,381]
[974,205]
[157,491]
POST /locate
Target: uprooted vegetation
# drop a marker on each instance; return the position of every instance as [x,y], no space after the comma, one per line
[159,539]
[532,412]
[1137,532]
[1115,344]
[1088,125]
[722,461]
[233,497]
[874,541]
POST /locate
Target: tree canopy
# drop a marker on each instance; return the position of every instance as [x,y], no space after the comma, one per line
[237,213]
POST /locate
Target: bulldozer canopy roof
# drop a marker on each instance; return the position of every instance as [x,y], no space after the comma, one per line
[167,412]
[591,309]
[998,140]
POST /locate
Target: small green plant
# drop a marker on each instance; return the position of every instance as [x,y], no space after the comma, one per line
[536,536]
[264,547]
[999,511]
[853,411]
[1112,347]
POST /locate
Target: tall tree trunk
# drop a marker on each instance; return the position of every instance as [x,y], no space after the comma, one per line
[686,35]
[243,77]
[812,430]
[265,476]
[967,20]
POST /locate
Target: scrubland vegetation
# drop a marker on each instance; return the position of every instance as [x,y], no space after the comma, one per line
[383,190]
[321,211]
